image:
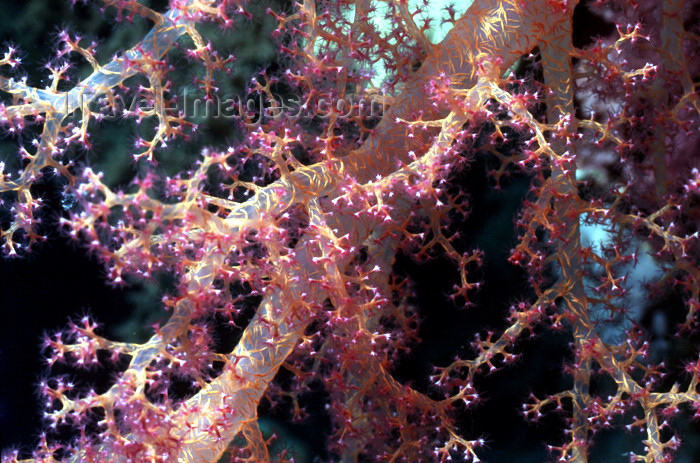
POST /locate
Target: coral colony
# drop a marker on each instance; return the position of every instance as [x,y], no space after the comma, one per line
[351,159]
